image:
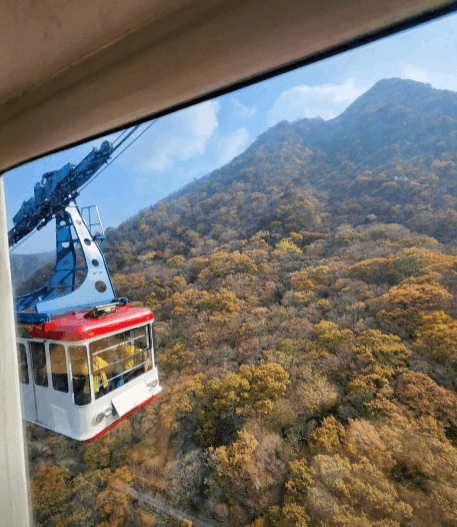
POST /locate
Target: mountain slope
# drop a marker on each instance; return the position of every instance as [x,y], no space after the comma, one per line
[24,266]
[379,160]
[305,333]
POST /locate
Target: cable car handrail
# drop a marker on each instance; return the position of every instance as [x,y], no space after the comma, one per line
[95,353]
[125,371]
[100,310]
[120,361]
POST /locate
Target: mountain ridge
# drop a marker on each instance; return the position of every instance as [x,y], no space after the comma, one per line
[401,149]
[324,161]
[304,299]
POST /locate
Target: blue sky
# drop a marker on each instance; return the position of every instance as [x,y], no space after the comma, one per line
[197,140]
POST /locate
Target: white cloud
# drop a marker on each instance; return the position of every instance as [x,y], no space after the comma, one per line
[326,101]
[415,74]
[441,81]
[230,146]
[177,137]
[241,111]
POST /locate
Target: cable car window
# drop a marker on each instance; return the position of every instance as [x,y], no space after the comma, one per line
[80,375]
[140,338]
[118,359]
[58,367]
[22,363]
[39,363]
[152,336]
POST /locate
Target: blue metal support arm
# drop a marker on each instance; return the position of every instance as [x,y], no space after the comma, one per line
[59,293]
[57,189]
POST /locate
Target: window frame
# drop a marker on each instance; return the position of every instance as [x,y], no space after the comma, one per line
[15,503]
[24,377]
[31,112]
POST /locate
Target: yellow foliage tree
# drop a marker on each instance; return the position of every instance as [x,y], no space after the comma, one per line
[114,502]
[250,391]
[410,298]
[62,501]
[301,281]
[364,440]
[109,450]
[425,468]
[425,398]
[51,493]
[345,493]
[436,335]
[175,262]
[371,392]
[299,481]
[223,263]
[397,267]
[380,353]
[329,437]
[236,460]
[290,515]
[286,247]
[176,358]
[329,334]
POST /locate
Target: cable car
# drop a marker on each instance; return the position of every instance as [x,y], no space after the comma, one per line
[86,358]
[84,371]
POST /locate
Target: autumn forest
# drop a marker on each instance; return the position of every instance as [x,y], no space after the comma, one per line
[306,336]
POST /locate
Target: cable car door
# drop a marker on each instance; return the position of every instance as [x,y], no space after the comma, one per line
[51,385]
[40,378]
[60,398]
[27,388]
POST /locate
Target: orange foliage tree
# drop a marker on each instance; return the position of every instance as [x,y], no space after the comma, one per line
[404,303]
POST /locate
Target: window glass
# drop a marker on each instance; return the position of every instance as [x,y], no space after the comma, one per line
[152,336]
[140,338]
[22,331]
[80,375]
[58,367]
[39,363]
[22,363]
[306,316]
[118,359]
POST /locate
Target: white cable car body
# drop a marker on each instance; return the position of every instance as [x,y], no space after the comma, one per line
[86,358]
[61,387]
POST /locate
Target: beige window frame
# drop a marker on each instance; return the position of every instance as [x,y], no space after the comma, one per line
[182,52]
[14,499]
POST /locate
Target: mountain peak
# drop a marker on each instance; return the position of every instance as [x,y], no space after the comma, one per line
[411,94]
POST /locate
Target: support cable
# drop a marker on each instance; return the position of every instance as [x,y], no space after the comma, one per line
[120,153]
[120,135]
[130,132]
[22,241]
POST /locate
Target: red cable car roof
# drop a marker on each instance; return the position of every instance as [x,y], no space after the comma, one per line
[77,326]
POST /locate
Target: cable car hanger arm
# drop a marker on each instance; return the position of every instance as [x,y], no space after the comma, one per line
[58,188]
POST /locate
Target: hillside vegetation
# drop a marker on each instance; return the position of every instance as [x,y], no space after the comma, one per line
[30,271]
[306,335]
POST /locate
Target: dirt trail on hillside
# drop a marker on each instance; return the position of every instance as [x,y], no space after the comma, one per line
[164,507]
